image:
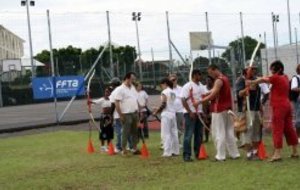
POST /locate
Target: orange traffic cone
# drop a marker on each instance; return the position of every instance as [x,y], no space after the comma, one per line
[111,149]
[90,147]
[202,153]
[144,151]
[261,151]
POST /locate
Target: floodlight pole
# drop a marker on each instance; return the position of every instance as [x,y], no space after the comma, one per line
[136,16]
[243,41]
[275,19]
[52,68]
[209,37]
[266,53]
[112,70]
[289,21]
[153,68]
[296,41]
[169,42]
[26,3]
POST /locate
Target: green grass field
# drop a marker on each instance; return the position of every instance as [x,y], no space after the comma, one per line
[58,160]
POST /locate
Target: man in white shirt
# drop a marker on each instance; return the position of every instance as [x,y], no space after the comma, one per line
[178,106]
[192,92]
[115,83]
[127,108]
[295,86]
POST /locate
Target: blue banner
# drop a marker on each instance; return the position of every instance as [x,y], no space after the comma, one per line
[67,86]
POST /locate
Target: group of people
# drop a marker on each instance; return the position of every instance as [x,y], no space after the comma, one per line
[123,110]
[195,109]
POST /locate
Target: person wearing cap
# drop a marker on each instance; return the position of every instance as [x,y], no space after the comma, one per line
[179,107]
[253,135]
[192,92]
[127,107]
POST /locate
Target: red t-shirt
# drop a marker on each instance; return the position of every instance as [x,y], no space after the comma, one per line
[280,90]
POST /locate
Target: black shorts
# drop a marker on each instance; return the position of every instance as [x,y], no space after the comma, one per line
[106,128]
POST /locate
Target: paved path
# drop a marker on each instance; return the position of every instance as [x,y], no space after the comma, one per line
[17,118]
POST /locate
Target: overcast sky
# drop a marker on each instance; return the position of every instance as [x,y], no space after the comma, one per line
[82,23]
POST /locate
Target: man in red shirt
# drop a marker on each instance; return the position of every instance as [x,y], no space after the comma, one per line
[282,110]
[221,127]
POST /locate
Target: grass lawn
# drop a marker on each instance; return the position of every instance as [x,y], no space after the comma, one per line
[58,160]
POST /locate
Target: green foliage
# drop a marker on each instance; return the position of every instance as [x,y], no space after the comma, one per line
[202,63]
[250,44]
[73,61]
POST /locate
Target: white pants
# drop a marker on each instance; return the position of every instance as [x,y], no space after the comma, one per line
[223,135]
[169,133]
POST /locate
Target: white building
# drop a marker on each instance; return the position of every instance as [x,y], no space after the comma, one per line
[286,53]
[11,45]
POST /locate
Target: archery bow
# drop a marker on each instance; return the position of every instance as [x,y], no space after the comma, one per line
[248,73]
[89,101]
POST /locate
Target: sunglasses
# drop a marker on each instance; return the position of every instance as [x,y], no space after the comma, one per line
[173,80]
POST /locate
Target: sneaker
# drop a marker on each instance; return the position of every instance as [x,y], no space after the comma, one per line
[235,157]
[166,156]
[103,149]
[217,160]
[117,150]
[187,159]
[136,152]
[124,153]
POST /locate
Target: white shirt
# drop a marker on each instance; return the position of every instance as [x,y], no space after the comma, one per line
[104,103]
[179,107]
[294,83]
[171,105]
[112,100]
[142,99]
[264,88]
[197,91]
[128,98]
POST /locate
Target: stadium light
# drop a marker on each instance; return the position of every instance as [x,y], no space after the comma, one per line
[275,20]
[27,4]
[136,17]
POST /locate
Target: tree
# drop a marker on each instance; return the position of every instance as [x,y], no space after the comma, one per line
[250,45]
[73,61]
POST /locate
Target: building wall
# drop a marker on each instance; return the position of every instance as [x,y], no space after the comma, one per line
[287,54]
[11,46]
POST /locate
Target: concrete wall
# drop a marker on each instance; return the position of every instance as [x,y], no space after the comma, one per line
[11,46]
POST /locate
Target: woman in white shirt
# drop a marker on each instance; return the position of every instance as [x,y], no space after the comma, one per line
[168,119]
